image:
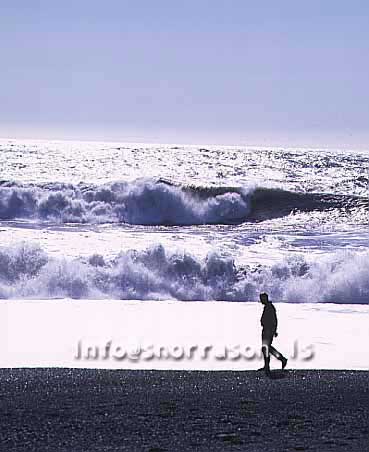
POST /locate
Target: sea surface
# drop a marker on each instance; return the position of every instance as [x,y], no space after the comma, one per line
[171,222]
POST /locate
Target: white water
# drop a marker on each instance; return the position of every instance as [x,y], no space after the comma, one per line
[158,273]
[75,200]
[84,223]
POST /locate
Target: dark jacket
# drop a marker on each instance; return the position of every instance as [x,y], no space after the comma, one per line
[269,318]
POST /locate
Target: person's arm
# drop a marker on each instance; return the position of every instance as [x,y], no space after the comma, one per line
[262,319]
[275,322]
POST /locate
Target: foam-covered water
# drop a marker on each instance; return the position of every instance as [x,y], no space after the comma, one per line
[150,202]
[98,220]
[157,273]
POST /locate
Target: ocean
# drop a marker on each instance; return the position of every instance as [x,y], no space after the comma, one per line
[82,220]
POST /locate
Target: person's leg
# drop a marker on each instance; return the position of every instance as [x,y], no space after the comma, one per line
[266,355]
[266,343]
[273,351]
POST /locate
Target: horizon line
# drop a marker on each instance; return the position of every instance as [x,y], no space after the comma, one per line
[322,147]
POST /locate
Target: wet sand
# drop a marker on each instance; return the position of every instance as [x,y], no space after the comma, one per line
[108,410]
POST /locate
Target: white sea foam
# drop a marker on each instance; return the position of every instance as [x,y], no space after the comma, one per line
[158,273]
[275,211]
[151,202]
[144,202]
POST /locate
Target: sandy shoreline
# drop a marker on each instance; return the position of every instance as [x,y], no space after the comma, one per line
[47,334]
[110,410]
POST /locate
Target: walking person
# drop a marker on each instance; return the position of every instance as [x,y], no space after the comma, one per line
[269,323]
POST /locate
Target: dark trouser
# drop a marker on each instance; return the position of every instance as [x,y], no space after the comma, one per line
[268,349]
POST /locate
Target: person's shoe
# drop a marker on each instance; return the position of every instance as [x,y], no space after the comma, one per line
[284,362]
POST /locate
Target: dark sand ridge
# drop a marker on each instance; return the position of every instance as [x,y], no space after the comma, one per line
[108,410]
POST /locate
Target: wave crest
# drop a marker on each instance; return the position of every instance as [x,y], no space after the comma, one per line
[144,202]
[158,273]
[158,202]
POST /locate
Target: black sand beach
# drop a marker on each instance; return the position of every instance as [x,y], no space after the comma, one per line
[99,410]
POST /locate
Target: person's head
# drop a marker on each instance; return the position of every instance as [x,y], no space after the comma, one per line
[264,299]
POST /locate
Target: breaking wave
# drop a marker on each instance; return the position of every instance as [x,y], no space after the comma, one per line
[158,202]
[156,273]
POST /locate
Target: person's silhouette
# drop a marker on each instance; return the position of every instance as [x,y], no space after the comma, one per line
[269,323]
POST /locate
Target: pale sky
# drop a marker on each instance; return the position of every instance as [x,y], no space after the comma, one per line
[186,71]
